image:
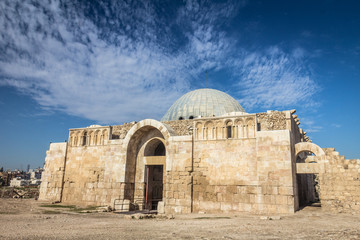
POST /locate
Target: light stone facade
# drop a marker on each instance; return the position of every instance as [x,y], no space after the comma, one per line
[259,163]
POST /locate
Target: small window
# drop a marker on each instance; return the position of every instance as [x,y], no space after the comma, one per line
[191,117]
[181,118]
[228,128]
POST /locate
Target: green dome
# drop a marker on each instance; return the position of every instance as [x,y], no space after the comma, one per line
[202,102]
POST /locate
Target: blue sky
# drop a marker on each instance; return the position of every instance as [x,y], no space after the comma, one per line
[70,64]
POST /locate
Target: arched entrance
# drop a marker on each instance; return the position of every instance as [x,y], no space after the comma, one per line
[154,159]
[309,158]
[146,164]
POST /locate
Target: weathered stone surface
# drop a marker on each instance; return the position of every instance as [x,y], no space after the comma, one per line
[120,131]
[181,127]
[235,163]
[273,120]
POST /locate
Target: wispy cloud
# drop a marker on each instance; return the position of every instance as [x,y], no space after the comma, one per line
[310,125]
[273,78]
[115,61]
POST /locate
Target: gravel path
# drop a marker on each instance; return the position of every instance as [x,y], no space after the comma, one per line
[25,219]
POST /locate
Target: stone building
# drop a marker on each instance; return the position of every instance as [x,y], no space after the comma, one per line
[206,155]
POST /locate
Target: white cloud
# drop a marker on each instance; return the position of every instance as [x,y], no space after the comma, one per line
[273,78]
[100,81]
[131,62]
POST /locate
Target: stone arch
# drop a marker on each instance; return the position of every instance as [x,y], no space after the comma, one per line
[78,138]
[228,122]
[75,141]
[153,147]
[310,147]
[305,172]
[198,130]
[71,139]
[239,128]
[250,126]
[229,129]
[96,137]
[83,138]
[165,129]
[218,129]
[90,137]
[105,136]
[150,175]
[136,138]
[208,130]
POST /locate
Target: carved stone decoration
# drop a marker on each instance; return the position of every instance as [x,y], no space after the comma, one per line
[120,131]
[273,120]
[181,127]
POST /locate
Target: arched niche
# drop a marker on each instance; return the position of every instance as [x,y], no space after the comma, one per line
[145,136]
[229,129]
[155,147]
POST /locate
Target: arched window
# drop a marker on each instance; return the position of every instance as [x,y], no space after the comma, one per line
[228,130]
[181,118]
[191,117]
[84,139]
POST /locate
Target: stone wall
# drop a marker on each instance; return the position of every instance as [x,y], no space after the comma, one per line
[275,171]
[340,184]
[94,175]
[179,179]
[222,175]
[252,174]
[52,177]
[229,164]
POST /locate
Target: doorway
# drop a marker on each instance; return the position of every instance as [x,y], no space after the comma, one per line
[153,193]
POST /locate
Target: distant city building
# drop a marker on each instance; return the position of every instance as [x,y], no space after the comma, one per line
[20,178]
[19,182]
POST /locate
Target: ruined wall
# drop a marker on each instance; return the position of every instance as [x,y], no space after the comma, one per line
[340,184]
[52,177]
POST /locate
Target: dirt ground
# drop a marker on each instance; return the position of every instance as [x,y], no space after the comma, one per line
[26,219]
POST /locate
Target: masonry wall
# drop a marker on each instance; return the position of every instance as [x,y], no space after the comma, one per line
[340,184]
[251,174]
[224,172]
[226,165]
[179,175]
[275,171]
[94,175]
[52,177]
